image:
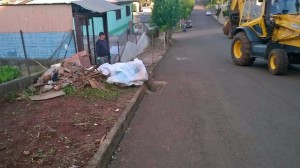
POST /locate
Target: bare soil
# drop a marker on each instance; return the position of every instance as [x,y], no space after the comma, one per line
[61,132]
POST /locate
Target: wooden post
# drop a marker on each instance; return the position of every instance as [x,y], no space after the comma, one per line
[164,40]
[79,37]
[94,41]
[105,23]
[88,37]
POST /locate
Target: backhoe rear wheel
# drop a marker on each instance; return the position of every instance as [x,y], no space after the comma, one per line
[278,62]
[240,50]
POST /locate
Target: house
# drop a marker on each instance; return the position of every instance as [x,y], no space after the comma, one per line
[59,28]
[118,22]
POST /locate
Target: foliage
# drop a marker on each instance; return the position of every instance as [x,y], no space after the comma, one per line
[11,96]
[225,13]
[69,90]
[29,91]
[145,2]
[111,93]
[134,8]
[8,73]
[218,11]
[165,14]
[91,93]
[186,8]
[141,2]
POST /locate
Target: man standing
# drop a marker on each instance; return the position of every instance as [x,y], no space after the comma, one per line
[102,50]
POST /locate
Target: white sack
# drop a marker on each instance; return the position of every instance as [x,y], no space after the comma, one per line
[130,73]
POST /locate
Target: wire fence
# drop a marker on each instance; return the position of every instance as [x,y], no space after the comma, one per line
[118,43]
[33,52]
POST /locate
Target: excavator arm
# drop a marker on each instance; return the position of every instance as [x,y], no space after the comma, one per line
[235,9]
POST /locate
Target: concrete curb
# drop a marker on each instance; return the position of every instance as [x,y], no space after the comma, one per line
[103,155]
[18,84]
[218,20]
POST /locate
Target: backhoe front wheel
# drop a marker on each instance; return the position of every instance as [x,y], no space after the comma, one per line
[240,50]
[278,62]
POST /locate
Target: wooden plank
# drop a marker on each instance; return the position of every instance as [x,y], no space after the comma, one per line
[48,95]
[97,85]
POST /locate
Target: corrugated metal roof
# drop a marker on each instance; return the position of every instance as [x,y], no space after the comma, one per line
[97,5]
[41,2]
[93,5]
[118,1]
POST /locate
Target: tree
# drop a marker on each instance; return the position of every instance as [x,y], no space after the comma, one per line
[165,15]
[186,8]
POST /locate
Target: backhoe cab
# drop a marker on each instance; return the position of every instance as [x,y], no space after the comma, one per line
[268,29]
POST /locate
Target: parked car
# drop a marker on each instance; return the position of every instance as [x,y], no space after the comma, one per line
[208,13]
[188,23]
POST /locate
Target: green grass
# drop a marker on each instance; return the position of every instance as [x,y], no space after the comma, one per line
[91,93]
[29,92]
[111,93]
[11,96]
[69,90]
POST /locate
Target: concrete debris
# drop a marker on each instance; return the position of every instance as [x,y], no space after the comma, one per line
[46,88]
[97,141]
[80,58]
[26,153]
[71,72]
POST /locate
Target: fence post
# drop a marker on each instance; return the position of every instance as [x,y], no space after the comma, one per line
[68,45]
[94,41]
[74,38]
[25,53]
[136,39]
[119,51]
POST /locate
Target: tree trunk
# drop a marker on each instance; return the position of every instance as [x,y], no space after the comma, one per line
[168,37]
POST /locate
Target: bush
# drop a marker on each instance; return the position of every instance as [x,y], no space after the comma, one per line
[134,8]
[225,13]
[8,73]
[218,11]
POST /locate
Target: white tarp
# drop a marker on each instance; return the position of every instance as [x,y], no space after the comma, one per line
[143,43]
[130,73]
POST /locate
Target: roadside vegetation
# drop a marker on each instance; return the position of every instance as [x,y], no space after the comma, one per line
[165,14]
[8,73]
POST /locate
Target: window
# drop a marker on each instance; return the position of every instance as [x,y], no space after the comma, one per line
[127,10]
[252,10]
[284,6]
[118,14]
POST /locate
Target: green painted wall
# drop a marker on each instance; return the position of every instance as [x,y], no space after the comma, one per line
[98,26]
[115,27]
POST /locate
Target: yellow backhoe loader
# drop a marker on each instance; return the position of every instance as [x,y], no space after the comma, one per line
[268,29]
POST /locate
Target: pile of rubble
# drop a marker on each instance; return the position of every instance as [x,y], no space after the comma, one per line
[69,73]
[72,72]
[64,74]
